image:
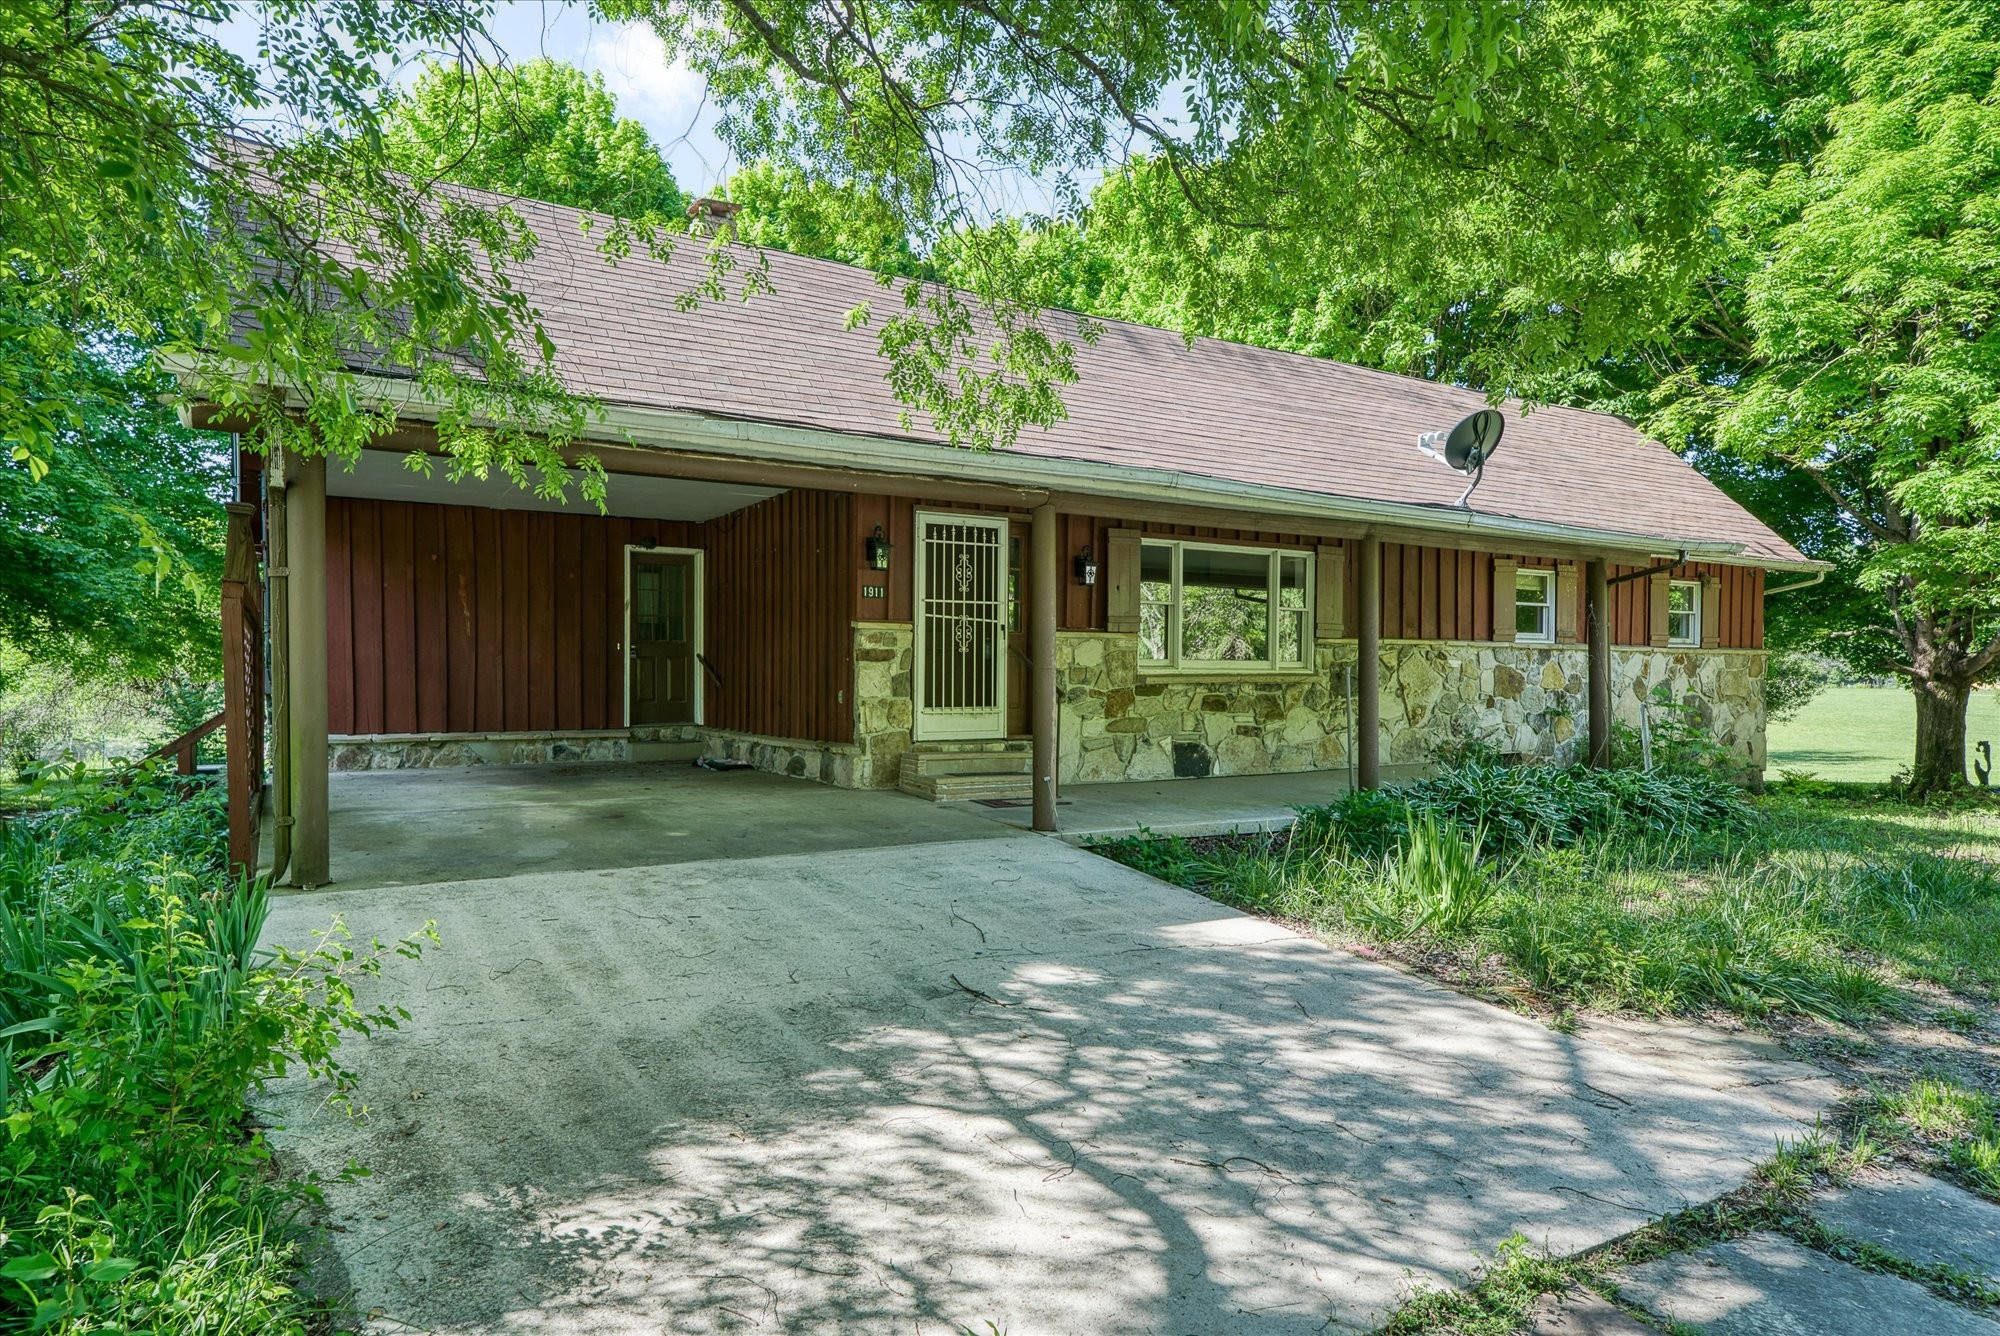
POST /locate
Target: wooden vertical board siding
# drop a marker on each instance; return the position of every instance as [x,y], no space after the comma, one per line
[432,645]
[569,623]
[399,622]
[1391,591]
[461,622]
[541,621]
[339,618]
[1413,592]
[1445,626]
[597,633]
[1430,593]
[514,619]
[490,624]
[367,603]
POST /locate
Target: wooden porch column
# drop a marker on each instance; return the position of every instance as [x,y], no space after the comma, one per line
[305,579]
[1597,616]
[1044,592]
[1368,674]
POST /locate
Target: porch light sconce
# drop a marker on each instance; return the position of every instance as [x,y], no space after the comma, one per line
[1086,567]
[878,550]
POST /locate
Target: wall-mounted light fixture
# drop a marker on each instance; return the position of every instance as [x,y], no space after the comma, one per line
[878,550]
[1086,567]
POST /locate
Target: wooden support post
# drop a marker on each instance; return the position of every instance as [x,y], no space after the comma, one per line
[1044,593]
[1597,617]
[305,554]
[1368,675]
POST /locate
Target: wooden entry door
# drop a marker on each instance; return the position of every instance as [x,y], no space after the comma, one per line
[665,620]
[961,606]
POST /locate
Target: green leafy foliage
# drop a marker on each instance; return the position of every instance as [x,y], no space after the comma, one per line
[136,1014]
[1610,895]
[1846,339]
[1516,806]
[542,129]
[109,560]
[1272,167]
[240,214]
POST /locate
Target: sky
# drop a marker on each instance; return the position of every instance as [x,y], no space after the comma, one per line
[669,99]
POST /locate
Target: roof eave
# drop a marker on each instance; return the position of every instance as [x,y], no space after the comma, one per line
[758,440]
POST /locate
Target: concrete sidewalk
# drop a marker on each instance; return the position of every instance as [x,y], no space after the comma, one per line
[912,1088]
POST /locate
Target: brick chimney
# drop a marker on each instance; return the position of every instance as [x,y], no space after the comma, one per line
[713,216]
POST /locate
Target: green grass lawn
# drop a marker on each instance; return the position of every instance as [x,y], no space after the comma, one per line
[1865,734]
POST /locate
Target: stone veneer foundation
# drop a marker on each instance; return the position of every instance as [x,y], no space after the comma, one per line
[1119,723]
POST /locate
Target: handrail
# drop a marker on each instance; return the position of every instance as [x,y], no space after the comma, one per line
[182,747]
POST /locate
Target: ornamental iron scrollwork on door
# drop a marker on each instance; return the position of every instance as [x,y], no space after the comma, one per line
[962,621]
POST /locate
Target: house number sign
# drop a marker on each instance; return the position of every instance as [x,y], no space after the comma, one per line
[874,591]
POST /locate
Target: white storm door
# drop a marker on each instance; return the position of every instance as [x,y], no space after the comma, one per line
[961,610]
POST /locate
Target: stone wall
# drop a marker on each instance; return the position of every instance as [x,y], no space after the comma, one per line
[1115,726]
[1526,701]
[434,751]
[1532,701]
[884,709]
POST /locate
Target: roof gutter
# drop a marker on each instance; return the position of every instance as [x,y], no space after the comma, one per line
[767,442]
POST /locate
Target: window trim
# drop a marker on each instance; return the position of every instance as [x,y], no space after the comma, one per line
[1547,576]
[1693,614]
[1268,666]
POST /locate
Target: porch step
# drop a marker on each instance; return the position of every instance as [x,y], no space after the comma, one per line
[945,776]
[966,762]
[966,788]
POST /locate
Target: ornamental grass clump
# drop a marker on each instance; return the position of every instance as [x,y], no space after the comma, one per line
[137,1014]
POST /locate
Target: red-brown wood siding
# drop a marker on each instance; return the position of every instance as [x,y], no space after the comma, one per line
[1428,593]
[780,614]
[459,619]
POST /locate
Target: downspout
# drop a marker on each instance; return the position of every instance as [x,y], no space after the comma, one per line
[1815,578]
[278,649]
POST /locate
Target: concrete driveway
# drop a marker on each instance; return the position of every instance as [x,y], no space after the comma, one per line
[918,1088]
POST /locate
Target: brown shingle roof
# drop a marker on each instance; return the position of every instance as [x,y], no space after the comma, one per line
[1145,398]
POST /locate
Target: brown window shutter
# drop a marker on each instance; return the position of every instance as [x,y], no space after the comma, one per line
[1503,598]
[1121,560]
[1659,585]
[1329,605]
[1711,611]
[1566,603]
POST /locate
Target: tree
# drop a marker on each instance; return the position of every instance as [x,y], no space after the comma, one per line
[543,130]
[1546,151]
[1850,330]
[109,563]
[786,210]
[243,218]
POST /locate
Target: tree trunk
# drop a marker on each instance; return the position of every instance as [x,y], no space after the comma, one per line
[1940,762]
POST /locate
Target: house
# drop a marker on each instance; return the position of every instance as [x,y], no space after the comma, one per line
[1225,561]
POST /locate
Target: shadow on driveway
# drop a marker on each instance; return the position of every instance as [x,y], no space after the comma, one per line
[912,1089]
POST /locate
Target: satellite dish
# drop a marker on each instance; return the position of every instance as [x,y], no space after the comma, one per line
[1466,447]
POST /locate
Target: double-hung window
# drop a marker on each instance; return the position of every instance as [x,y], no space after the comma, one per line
[1684,612]
[1239,609]
[1535,607]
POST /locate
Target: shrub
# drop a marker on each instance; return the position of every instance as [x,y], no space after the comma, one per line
[136,1014]
[1518,806]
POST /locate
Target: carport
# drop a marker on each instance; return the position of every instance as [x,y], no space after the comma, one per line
[413,827]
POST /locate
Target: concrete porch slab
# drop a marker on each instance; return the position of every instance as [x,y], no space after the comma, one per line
[1214,806]
[424,827]
[918,1088]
